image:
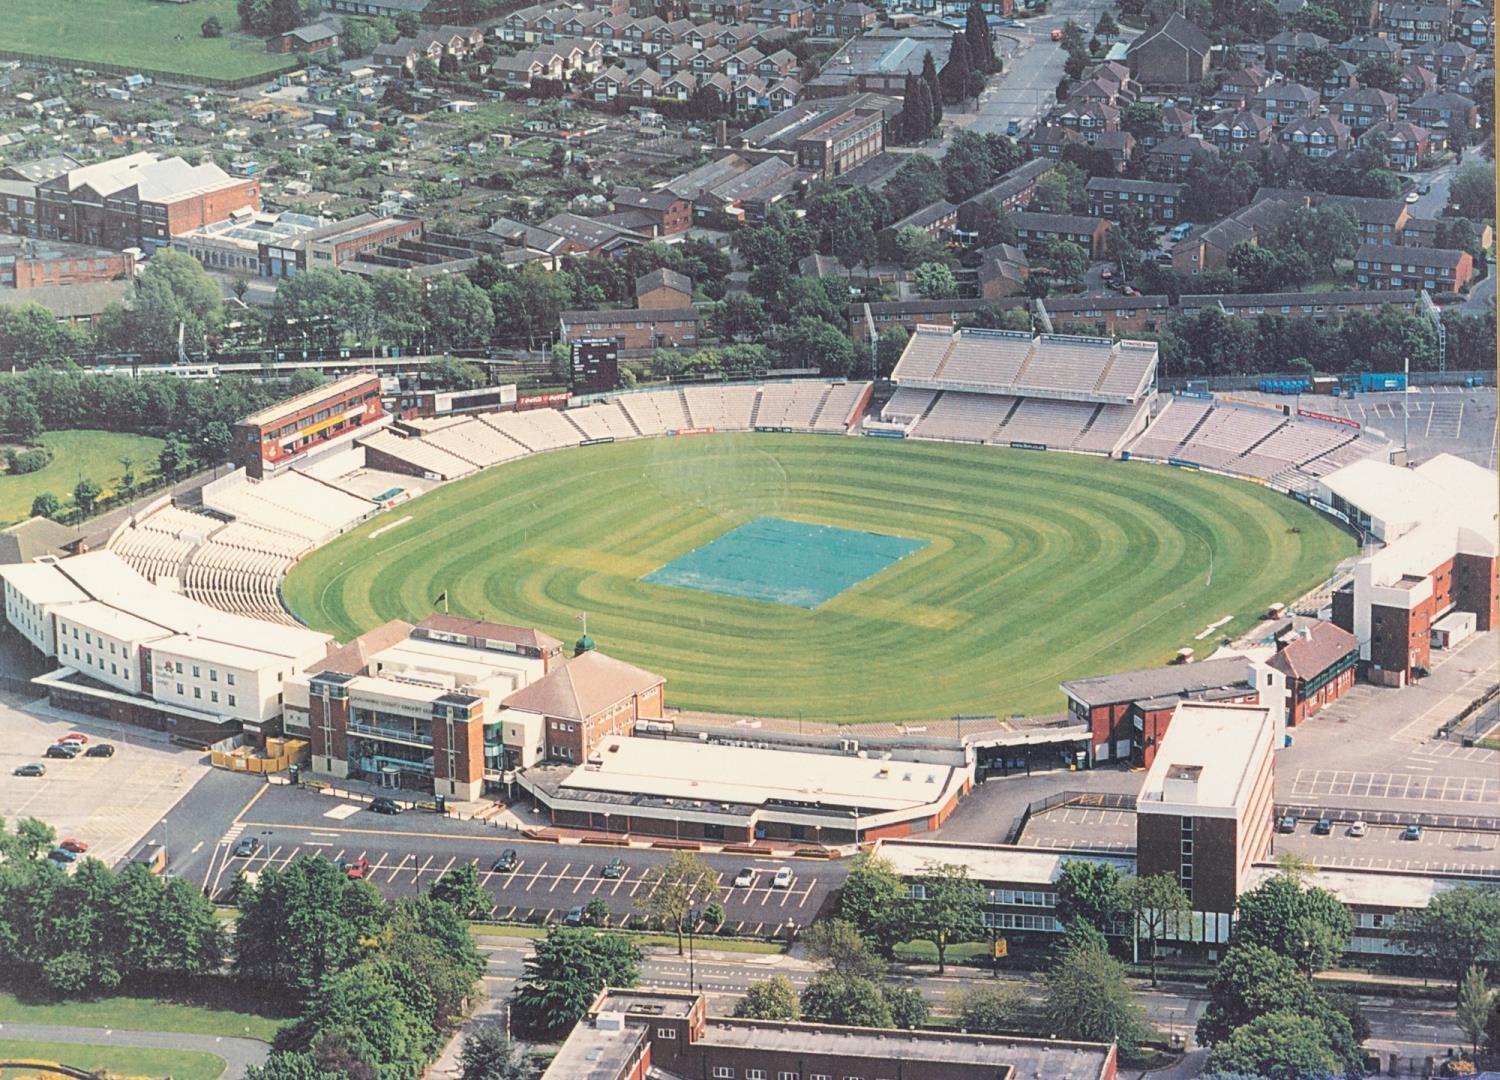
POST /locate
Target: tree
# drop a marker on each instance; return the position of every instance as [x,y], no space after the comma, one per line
[869,898]
[1066,260]
[1089,891]
[1277,1046]
[934,90]
[966,166]
[1378,73]
[769,999]
[839,948]
[812,342]
[740,317]
[85,493]
[357,37]
[836,999]
[1250,981]
[943,906]
[396,303]
[408,24]
[1454,930]
[290,1065]
[1157,902]
[1051,194]
[908,1007]
[566,971]
[596,912]
[987,1008]
[1471,193]
[1141,118]
[1476,1003]
[1089,998]
[1305,924]
[1258,267]
[31,837]
[675,888]
[459,888]
[218,441]
[935,281]
[458,312]
[379,1012]
[174,456]
[174,290]
[888,349]
[1106,27]
[955,74]
[212,27]
[919,182]
[45,505]
[488,1054]
[450,373]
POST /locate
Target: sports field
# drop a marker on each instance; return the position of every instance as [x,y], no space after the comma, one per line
[1015,568]
[137,33]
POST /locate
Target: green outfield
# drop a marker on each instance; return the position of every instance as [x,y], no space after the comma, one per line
[1034,567]
[147,34]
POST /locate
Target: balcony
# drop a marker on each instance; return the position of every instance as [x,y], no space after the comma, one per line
[405,736]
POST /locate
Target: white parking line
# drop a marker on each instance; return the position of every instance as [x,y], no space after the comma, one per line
[398,867]
[560,875]
[423,870]
[445,869]
[536,874]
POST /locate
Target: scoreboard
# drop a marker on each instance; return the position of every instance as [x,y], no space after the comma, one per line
[596,366]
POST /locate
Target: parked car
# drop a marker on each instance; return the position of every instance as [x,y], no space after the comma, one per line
[385,806]
[783,878]
[507,861]
[62,855]
[31,770]
[247,846]
[58,750]
[71,744]
[74,736]
[78,847]
[1323,827]
[1288,823]
[615,868]
[103,749]
[1057,35]
[1358,828]
[745,878]
[356,869]
[1413,832]
[1412,196]
[1424,189]
[574,917]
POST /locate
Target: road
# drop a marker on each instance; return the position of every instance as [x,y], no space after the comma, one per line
[238,1054]
[1431,205]
[1028,86]
[1413,1028]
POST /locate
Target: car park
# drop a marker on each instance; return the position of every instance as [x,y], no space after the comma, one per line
[745,878]
[57,750]
[385,806]
[1288,823]
[31,770]
[357,869]
[78,847]
[1323,827]
[1412,832]
[247,846]
[1358,828]
[103,749]
[507,861]
[783,878]
[614,868]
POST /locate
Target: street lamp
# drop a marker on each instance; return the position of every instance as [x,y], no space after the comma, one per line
[692,922]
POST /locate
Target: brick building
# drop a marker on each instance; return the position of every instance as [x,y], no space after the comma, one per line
[1035,231]
[1174,53]
[1320,306]
[1433,269]
[1109,196]
[271,438]
[1319,664]
[1438,523]
[1128,712]
[138,201]
[655,213]
[1205,813]
[34,264]
[633,1034]
[588,698]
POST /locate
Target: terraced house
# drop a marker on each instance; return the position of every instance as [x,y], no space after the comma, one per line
[1433,269]
[1109,196]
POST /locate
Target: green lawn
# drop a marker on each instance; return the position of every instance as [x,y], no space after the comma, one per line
[120,1060]
[140,1014]
[1038,567]
[143,33]
[76,454]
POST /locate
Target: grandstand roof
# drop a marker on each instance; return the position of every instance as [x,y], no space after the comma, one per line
[307,398]
[1059,366]
[1153,683]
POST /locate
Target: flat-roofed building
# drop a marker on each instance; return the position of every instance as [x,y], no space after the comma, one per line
[1438,523]
[270,439]
[628,1034]
[34,592]
[1205,811]
[688,789]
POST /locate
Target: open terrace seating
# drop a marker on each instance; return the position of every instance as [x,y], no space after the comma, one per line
[959,417]
[1111,425]
[791,405]
[837,413]
[535,429]
[723,408]
[605,420]
[419,454]
[907,404]
[1051,423]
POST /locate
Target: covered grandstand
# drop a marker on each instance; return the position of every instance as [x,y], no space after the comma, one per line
[1006,387]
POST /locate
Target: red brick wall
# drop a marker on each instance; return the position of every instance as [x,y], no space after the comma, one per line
[1304,707]
[71,270]
[195,211]
[1400,639]
[1476,588]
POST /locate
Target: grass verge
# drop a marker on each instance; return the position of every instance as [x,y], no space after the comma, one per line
[140,1014]
[95,455]
[707,944]
[118,1060]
